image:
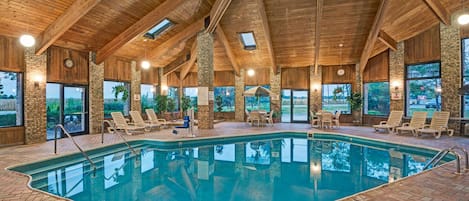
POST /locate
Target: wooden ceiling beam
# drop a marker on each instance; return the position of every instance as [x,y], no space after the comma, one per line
[439,10]
[229,52]
[138,28]
[265,26]
[216,13]
[317,35]
[387,40]
[185,69]
[373,35]
[75,12]
[171,68]
[183,35]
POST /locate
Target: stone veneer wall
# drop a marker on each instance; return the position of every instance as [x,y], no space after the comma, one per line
[35,120]
[396,74]
[205,78]
[96,99]
[135,82]
[451,72]
[239,98]
[315,95]
[275,87]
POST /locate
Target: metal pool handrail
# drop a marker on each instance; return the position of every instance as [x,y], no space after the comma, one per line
[114,130]
[440,155]
[74,142]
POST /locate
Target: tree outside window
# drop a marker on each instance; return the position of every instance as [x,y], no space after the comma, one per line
[116,98]
[226,97]
[334,98]
[11,101]
[377,99]
[423,90]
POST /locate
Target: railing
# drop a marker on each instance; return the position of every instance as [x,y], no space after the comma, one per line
[115,131]
[74,142]
[440,155]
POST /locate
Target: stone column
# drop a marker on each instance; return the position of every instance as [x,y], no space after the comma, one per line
[275,82]
[205,79]
[396,75]
[239,98]
[135,104]
[162,88]
[96,99]
[451,72]
[315,89]
[35,96]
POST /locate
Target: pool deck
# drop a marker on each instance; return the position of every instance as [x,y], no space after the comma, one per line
[437,184]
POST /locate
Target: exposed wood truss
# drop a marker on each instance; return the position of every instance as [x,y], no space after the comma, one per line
[387,40]
[171,68]
[77,10]
[373,35]
[229,52]
[439,10]
[317,35]
[265,26]
[145,23]
[217,12]
[185,69]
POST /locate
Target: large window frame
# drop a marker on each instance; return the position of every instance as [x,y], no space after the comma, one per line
[13,94]
[366,96]
[147,98]
[429,104]
[228,94]
[253,100]
[465,76]
[192,93]
[126,105]
[344,94]
[173,93]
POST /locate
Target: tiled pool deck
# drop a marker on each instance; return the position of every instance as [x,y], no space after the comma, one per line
[437,184]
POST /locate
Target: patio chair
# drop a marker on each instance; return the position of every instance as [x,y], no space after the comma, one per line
[438,124]
[268,118]
[154,119]
[417,122]
[138,121]
[248,116]
[336,119]
[326,118]
[256,116]
[314,119]
[121,123]
[394,120]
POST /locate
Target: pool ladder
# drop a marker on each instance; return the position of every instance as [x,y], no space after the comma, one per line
[115,131]
[60,126]
[440,155]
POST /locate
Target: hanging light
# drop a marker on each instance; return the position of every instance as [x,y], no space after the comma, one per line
[27,40]
[145,64]
[463,19]
[251,72]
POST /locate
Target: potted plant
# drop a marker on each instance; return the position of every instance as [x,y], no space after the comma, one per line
[161,104]
[355,101]
[185,103]
[171,106]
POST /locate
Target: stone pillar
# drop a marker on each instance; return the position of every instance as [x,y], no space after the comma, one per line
[135,104]
[162,88]
[315,89]
[239,98]
[451,72]
[96,99]
[396,75]
[275,82]
[35,96]
[205,79]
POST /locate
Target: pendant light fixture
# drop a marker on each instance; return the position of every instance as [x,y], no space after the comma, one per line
[145,64]
[27,40]
[463,19]
[341,71]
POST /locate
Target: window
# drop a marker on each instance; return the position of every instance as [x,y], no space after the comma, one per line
[258,153]
[423,85]
[226,102]
[173,96]
[465,74]
[257,103]
[113,103]
[191,92]
[225,152]
[377,98]
[147,96]
[159,28]
[11,99]
[334,97]
[248,40]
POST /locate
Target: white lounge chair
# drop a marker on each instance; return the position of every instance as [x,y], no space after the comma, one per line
[417,122]
[121,123]
[154,119]
[394,120]
[439,124]
[137,120]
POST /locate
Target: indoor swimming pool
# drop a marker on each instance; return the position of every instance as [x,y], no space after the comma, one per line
[276,166]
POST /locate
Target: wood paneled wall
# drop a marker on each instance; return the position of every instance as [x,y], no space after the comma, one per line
[424,47]
[261,77]
[149,76]
[464,31]
[223,78]
[295,78]
[11,136]
[57,72]
[190,80]
[173,80]
[329,74]
[11,55]
[118,69]
[377,68]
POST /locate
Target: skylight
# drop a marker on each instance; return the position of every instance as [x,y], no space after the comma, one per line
[248,40]
[158,29]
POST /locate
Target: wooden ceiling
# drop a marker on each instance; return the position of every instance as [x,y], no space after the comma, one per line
[284,29]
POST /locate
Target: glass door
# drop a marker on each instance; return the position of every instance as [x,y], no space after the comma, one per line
[294,105]
[53,108]
[286,106]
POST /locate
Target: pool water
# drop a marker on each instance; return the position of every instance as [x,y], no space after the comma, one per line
[280,166]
